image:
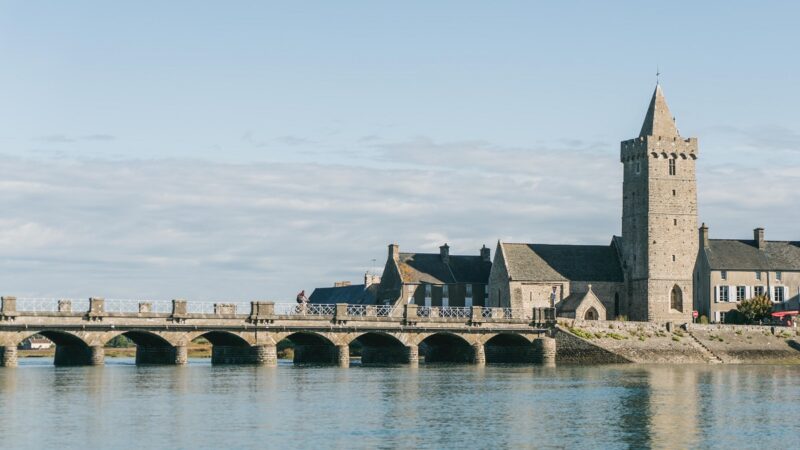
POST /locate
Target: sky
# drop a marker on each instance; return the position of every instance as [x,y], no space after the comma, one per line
[247,150]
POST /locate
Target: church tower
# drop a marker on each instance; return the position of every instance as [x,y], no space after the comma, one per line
[659,217]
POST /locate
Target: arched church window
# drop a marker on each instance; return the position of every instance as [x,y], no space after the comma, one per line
[676,301]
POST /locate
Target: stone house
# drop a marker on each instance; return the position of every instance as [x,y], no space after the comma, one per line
[435,279]
[345,292]
[525,276]
[731,270]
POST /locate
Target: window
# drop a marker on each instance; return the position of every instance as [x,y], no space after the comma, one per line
[721,316]
[723,294]
[638,168]
[673,258]
[758,290]
[758,275]
[676,300]
[778,294]
[445,295]
[778,275]
[672,166]
[469,290]
[428,295]
[724,274]
[674,193]
[741,293]
[675,222]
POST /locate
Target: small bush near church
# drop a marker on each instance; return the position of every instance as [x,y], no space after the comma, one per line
[755,309]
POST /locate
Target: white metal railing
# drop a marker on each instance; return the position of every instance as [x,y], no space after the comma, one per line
[356,310]
[52,304]
[459,312]
[385,310]
[218,307]
[304,309]
[119,305]
[506,313]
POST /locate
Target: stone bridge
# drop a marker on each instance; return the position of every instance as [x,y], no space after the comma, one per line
[321,334]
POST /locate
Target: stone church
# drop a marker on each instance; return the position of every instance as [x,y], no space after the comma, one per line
[645,274]
[652,272]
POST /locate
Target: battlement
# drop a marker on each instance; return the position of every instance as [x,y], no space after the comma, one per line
[658,147]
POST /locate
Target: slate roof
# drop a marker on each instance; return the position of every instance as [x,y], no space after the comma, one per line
[357,294]
[430,268]
[542,262]
[732,254]
[574,300]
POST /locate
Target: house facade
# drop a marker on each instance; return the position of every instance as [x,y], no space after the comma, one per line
[435,279]
[731,270]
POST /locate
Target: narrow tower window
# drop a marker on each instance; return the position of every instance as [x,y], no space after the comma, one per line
[672,166]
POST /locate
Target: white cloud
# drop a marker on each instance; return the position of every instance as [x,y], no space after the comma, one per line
[206,230]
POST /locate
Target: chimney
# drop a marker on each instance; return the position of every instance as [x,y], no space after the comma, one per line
[486,254]
[341,284]
[370,279]
[704,236]
[758,236]
[444,252]
[394,252]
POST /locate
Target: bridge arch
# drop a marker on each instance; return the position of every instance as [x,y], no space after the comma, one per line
[71,349]
[377,347]
[310,347]
[508,348]
[446,347]
[151,347]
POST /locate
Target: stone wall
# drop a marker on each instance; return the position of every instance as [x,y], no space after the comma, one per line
[573,349]
[650,342]
[737,344]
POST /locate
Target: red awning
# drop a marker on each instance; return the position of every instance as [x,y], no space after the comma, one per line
[785,313]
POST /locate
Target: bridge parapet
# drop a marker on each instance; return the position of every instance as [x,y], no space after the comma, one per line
[180,311]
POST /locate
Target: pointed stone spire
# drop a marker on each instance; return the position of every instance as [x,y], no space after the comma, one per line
[658,121]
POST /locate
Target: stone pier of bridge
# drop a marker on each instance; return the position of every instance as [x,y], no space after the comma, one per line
[249,333]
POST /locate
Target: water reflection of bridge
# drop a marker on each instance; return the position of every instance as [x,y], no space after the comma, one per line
[321,334]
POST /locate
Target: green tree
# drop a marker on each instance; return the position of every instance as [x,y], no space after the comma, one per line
[120,342]
[755,309]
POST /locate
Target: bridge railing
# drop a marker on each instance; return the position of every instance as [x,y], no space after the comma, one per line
[262,310]
[307,309]
[451,312]
[506,313]
[119,305]
[40,305]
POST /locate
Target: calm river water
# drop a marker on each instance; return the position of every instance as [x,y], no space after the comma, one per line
[200,406]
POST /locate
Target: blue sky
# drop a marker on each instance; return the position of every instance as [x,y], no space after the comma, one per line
[250,149]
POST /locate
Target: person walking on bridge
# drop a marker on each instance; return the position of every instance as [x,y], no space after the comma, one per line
[302,302]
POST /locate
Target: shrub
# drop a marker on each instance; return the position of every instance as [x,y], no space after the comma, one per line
[120,342]
[616,336]
[581,333]
[676,338]
[755,309]
[704,320]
